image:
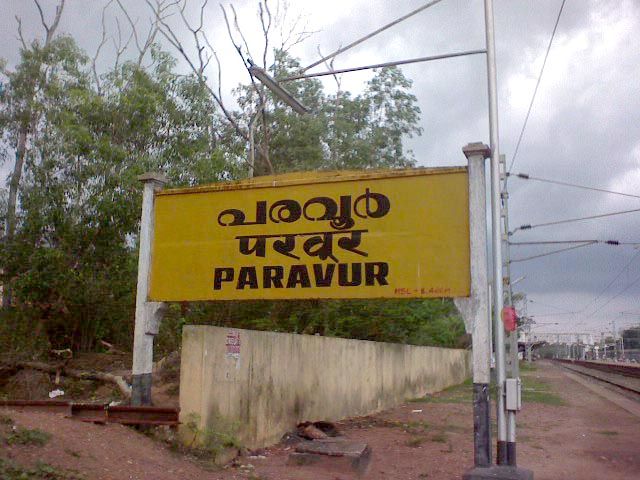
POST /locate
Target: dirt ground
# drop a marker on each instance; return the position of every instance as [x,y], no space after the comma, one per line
[28,384]
[565,431]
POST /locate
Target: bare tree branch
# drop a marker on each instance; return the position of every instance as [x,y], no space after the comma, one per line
[143,46]
[119,46]
[50,29]
[20,36]
[103,41]
[44,23]
[168,33]
[294,34]
[237,46]
[203,60]
[237,27]
[266,27]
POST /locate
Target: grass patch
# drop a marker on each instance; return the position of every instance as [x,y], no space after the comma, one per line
[173,389]
[206,445]
[439,438]
[528,367]
[73,453]
[462,393]
[25,436]
[451,428]
[416,426]
[609,433]
[6,420]
[41,471]
[415,442]
[535,390]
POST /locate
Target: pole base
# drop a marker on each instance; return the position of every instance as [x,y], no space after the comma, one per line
[141,389]
[503,472]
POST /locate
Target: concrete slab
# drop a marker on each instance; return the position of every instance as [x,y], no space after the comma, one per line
[498,472]
[333,453]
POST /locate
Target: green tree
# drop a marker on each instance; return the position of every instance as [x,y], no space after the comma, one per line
[72,261]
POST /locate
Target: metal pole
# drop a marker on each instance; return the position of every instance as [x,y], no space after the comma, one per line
[377,65]
[495,229]
[147,313]
[512,339]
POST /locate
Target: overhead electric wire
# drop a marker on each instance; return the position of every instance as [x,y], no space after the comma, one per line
[553,314]
[535,91]
[560,242]
[570,220]
[613,298]
[550,306]
[524,176]
[611,282]
[551,253]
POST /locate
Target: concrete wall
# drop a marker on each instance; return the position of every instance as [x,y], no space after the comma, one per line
[272,381]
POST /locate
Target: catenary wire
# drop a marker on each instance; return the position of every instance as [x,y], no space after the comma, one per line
[561,242]
[535,91]
[570,220]
[553,314]
[525,176]
[550,306]
[613,298]
[552,252]
[620,273]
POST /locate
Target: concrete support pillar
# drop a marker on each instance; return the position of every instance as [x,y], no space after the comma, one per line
[475,309]
[148,314]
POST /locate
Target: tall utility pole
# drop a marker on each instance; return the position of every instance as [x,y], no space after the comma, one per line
[496,231]
[506,447]
[512,338]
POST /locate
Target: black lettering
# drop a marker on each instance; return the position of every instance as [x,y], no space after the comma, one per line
[344,220]
[238,216]
[221,275]
[329,205]
[343,274]
[323,279]
[376,271]
[287,211]
[247,276]
[298,275]
[272,276]
[382,205]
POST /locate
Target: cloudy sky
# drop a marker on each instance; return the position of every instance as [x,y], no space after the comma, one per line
[584,127]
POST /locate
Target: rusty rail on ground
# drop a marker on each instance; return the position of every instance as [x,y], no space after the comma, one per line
[100,413]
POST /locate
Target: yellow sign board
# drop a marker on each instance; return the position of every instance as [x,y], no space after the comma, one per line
[378,234]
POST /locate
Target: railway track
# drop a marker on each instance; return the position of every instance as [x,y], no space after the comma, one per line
[100,413]
[625,377]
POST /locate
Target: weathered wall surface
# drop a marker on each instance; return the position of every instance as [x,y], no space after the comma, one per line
[272,381]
